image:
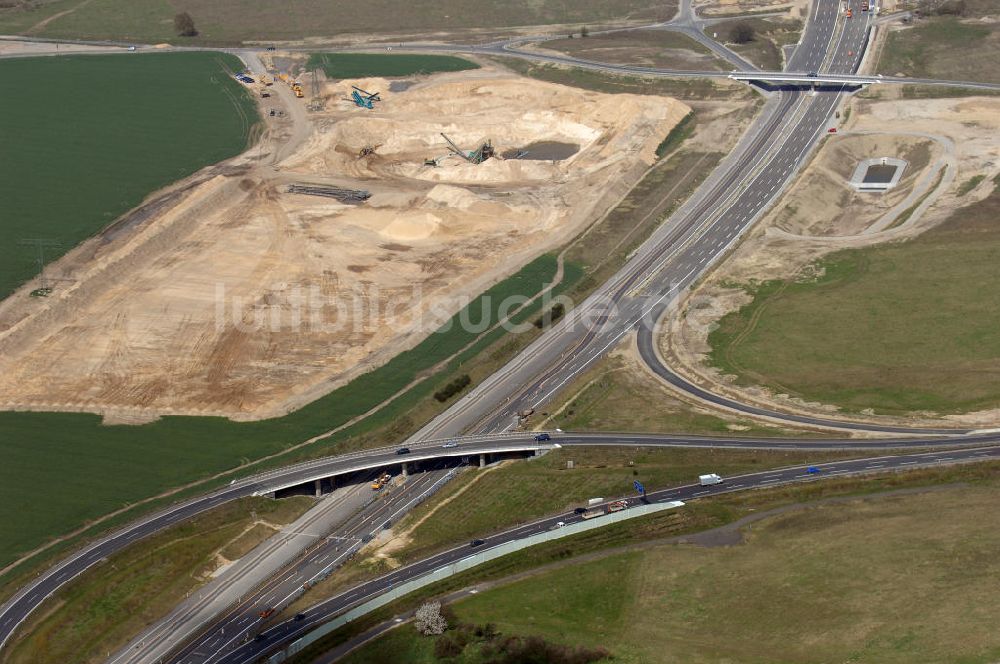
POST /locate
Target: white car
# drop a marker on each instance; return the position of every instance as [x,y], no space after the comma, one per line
[449,445]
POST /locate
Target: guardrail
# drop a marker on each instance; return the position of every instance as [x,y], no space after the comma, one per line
[460,566]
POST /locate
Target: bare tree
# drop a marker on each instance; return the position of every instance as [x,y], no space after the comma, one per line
[184,25]
[428,619]
[584,31]
[742,33]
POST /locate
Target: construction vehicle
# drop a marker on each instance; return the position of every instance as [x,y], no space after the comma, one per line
[592,512]
[368,150]
[363,98]
[266,613]
[297,89]
[849,14]
[478,156]
[266,80]
[864,5]
[617,506]
[381,481]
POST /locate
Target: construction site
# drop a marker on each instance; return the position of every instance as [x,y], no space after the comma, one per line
[357,225]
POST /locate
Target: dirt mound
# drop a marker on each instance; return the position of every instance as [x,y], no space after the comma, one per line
[247,301]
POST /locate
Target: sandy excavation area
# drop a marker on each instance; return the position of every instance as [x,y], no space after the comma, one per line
[947,142]
[244,300]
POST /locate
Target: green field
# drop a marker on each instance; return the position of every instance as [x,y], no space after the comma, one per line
[903,327]
[86,138]
[352,65]
[75,453]
[231,21]
[102,609]
[888,579]
[944,47]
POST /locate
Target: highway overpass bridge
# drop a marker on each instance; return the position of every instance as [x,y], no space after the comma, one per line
[811,78]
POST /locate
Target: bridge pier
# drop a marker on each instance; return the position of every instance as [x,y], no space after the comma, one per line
[318,488]
[405,469]
[482,459]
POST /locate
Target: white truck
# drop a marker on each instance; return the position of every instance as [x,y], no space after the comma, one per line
[709,480]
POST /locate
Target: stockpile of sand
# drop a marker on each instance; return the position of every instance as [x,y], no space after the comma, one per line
[257,300]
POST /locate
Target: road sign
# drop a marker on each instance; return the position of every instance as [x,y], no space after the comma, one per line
[639,487]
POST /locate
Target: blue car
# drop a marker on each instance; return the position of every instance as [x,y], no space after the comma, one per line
[812,470]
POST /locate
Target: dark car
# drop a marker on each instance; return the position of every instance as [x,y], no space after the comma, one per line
[542,437]
[477,542]
[403,450]
[813,74]
[272,48]
[299,616]
[580,510]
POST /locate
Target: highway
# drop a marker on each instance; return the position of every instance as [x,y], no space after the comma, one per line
[16,609]
[677,253]
[740,190]
[288,631]
[242,622]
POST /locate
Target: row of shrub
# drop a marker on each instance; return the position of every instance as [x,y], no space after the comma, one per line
[453,388]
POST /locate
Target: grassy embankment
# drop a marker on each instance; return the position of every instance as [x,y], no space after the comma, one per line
[897,328]
[951,45]
[352,65]
[646,48]
[234,21]
[701,515]
[101,610]
[86,138]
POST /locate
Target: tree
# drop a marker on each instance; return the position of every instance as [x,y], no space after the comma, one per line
[184,25]
[742,33]
[428,619]
[584,31]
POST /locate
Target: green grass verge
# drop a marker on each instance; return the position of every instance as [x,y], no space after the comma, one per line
[895,328]
[353,65]
[100,611]
[86,138]
[77,454]
[680,133]
[970,184]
